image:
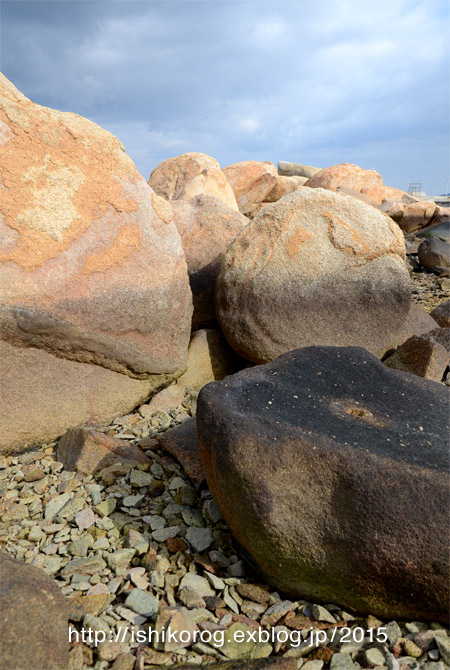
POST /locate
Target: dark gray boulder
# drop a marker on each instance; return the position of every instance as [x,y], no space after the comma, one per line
[332,472]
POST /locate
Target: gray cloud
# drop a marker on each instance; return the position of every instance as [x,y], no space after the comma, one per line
[319,84]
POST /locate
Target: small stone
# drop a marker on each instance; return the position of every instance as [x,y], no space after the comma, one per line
[120,559]
[373,622]
[101,543]
[81,546]
[156,488]
[276,612]
[35,534]
[215,582]
[197,584]
[411,649]
[322,614]
[230,601]
[237,644]
[424,640]
[313,665]
[93,604]
[33,472]
[342,662]
[133,501]
[176,483]
[416,627]
[237,569]
[175,544]
[83,566]
[56,505]
[192,517]
[162,534]
[136,575]
[106,507]
[142,602]
[85,518]
[253,592]
[200,538]
[374,657]
[443,644]
[211,511]
[154,521]
[137,541]
[393,632]
[124,662]
[140,478]
[16,512]
[108,650]
[96,623]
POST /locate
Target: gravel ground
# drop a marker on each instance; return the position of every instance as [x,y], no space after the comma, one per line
[129,543]
[429,290]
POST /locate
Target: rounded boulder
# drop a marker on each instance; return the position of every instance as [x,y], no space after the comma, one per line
[315,268]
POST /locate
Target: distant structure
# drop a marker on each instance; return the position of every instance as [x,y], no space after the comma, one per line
[415,189]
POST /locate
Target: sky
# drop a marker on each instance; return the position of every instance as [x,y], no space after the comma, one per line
[315,82]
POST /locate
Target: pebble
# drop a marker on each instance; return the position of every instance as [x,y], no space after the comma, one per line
[342,662]
[200,538]
[140,478]
[106,507]
[374,657]
[120,559]
[322,614]
[142,602]
[85,518]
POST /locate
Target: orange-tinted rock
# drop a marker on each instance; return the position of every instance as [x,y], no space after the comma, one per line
[283,186]
[418,215]
[207,227]
[345,174]
[185,176]
[92,267]
[314,268]
[378,194]
[251,181]
[43,395]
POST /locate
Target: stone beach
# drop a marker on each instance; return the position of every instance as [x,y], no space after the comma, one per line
[313,304]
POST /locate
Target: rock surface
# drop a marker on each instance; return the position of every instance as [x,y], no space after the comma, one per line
[188,175]
[441,314]
[92,266]
[43,395]
[283,186]
[251,181]
[418,215]
[331,471]
[88,451]
[345,174]
[289,169]
[434,254]
[421,355]
[33,618]
[314,268]
[209,358]
[207,227]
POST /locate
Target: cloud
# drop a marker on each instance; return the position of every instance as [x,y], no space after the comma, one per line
[316,83]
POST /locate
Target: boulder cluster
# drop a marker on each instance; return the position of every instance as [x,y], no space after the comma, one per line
[282,299]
